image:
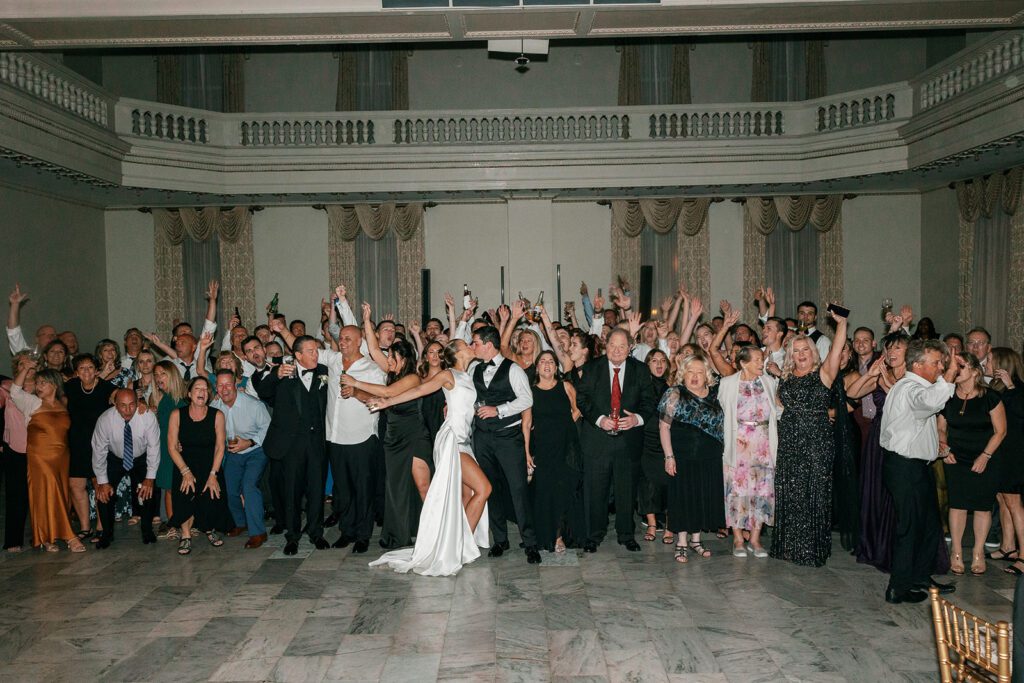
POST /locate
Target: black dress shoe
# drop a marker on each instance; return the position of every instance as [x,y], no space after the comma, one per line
[360,546]
[631,545]
[891,596]
[498,549]
[276,529]
[943,588]
[148,537]
[532,555]
[321,543]
[590,547]
[103,543]
[332,520]
[291,548]
[342,542]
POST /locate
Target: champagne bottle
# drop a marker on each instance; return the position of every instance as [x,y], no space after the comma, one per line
[272,306]
[467,298]
[536,306]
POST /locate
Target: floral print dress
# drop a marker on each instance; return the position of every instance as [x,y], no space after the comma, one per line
[750,482]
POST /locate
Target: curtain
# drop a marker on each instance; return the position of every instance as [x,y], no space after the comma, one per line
[991,242]
[193,246]
[372,80]
[792,268]
[202,80]
[761,216]
[660,251]
[168,79]
[233,79]
[687,219]
[355,267]
[787,70]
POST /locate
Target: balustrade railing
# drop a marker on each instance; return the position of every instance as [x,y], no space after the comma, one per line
[306,132]
[511,128]
[717,124]
[856,111]
[175,124]
[980,64]
[57,86]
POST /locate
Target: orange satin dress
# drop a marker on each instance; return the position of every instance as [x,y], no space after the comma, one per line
[48,461]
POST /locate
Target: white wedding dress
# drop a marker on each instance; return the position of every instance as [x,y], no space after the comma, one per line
[444,541]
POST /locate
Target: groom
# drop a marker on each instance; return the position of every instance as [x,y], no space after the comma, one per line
[295,441]
[503,393]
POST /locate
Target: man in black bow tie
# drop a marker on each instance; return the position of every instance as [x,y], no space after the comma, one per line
[296,440]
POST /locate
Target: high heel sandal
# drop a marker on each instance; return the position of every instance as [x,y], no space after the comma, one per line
[215,540]
[700,550]
[1004,555]
[978,560]
[681,552]
[651,534]
[956,564]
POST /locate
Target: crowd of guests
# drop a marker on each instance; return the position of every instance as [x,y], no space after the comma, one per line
[684,425]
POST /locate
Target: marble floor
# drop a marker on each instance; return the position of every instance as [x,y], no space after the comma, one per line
[141,613]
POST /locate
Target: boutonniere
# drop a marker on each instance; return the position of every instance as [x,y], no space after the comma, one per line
[323,380]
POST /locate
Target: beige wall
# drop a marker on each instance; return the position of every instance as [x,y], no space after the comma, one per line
[882,255]
[290,258]
[940,259]
[56,250]
[725,221]
[131,298]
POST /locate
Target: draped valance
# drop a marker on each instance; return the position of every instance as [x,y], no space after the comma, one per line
[200,224]
[982,196]
[763,213]
[689,215]
[375,220]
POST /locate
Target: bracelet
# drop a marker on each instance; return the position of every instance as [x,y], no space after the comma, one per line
[186,471]
[985,454]
[670,457]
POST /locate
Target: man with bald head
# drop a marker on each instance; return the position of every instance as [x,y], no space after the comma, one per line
[126,443]
[352,443]
[15,337]
[616,397]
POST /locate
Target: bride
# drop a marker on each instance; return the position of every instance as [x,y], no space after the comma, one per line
[449,534]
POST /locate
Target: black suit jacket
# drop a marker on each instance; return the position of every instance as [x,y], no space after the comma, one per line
[594,399]
[289,430]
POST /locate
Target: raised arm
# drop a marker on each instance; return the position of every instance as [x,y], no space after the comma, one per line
[673,311]
[549,331]
[867,382]
[212,290]
[15,337]
[164,348]
[830,368]
[205,342]
[517,310]
[370,337]
[381,390]
[696,309]
[723,366]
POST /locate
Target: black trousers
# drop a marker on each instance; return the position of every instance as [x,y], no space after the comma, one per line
[15,468]
[609,462]
[303,473]
[918,527]
[147,510]
[272,486]
[502,457]
[355,485]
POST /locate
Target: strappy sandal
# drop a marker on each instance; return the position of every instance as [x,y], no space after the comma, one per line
[978,565]
[1014,569]
[76,546]
[559,545]
[956,564]
[132,521]
[722,533]
[84,534]
[172,534]
[1004,555]
[681,554]
[651,532]
[700,550]
[50,547]
[215,540]
[669,538]
[185,546]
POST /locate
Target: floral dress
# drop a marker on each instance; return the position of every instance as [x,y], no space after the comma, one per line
[750,482]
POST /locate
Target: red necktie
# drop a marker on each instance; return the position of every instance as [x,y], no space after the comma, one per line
[616,394]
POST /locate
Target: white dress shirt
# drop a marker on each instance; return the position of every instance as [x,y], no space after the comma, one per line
[824,344]
[16,340]
[108,437]
[641,350]
[349,421]
[520,385]
[208,326]
[622,383]
[908,419]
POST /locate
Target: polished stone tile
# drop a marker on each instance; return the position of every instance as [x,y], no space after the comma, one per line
[576,653]
[318,636]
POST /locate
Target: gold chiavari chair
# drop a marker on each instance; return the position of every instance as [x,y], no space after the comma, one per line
[969,648]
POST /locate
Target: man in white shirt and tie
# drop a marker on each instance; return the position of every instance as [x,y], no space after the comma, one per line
[807,314]
[126,443]
[910,440]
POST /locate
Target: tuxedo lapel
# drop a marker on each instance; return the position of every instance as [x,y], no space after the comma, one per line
[297,390]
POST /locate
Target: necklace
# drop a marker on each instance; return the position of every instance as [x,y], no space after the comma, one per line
[88,392]
[966,397]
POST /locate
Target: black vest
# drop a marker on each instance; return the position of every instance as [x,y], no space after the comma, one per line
[311,402]
[815,336]
[499,392]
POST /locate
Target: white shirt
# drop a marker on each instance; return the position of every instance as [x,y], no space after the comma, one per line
[16,340]
[108,437]
[248,418]
[520,385]
[908,420]
[778,357]
[349,421]
[622,383]
[208,326]
[641,349]
[824,344]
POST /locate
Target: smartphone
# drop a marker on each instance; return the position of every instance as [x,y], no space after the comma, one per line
[839,310]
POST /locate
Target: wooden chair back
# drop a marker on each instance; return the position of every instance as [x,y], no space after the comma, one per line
[969,648]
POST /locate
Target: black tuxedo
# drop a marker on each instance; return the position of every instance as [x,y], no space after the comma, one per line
[295,444]
[607,457]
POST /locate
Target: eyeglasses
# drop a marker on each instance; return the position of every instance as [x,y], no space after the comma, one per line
[977,342]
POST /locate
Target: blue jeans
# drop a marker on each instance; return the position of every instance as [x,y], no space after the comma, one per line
[242,472]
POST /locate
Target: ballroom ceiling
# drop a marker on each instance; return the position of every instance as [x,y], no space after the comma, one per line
[58,24]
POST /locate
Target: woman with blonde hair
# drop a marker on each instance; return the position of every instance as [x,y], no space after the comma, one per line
[167,396]
[691,440]
[971,428]
[1007,370]
[803,467]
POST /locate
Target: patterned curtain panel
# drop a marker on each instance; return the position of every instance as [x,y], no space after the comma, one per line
[344,224]
[761,215]
[233,231]
[990,274]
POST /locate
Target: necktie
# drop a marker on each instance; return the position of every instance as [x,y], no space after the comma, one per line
[616,394]
[129,448]
[188,373]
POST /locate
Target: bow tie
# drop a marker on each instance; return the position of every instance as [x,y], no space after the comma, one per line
[307,372]
[489,364]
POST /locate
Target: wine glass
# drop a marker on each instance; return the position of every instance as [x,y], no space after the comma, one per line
[886,306]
